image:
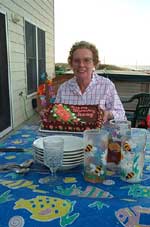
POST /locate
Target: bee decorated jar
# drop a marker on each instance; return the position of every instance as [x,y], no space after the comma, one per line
[117,130]
[133,153]
[95,153]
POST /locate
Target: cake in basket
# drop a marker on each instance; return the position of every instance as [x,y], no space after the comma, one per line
[72,118]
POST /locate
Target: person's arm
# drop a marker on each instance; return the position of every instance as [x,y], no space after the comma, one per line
[107,116]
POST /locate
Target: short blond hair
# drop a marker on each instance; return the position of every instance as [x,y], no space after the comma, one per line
[86,45]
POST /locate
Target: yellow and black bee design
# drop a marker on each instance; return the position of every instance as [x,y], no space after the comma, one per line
[98,170]
[126,147]
[130,175]
[88,148]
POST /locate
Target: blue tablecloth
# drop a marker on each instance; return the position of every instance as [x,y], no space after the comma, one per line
[28,199]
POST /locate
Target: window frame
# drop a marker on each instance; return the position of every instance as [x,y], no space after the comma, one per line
[37,57]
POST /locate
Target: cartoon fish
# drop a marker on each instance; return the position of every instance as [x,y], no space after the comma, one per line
[5,197]
[46,208]
[98,204]
[17,141]
[21,184]
[131,216]
[89,192]
[137,190]
[69,180]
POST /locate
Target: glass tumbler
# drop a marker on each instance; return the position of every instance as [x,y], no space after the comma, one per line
[133,153]
[95,153]
[117,130]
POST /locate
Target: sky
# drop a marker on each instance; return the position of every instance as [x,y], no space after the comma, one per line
[119,29]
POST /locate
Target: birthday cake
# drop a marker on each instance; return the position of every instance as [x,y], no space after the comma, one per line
[72,118]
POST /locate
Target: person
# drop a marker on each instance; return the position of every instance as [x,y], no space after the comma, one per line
[88,88]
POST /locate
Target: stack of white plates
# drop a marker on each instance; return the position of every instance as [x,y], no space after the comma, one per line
[73,151]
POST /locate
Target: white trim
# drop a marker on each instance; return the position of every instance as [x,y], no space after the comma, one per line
[5,131]
[3,12]
[30,21]
[9,71]
[33,23]
[25,54]
[32,95]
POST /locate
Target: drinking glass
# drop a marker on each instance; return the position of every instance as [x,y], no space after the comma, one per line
[133,153]
[117,130]
[53,155]
[95,153]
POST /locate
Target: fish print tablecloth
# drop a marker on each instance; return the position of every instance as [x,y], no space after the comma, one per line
[29,200]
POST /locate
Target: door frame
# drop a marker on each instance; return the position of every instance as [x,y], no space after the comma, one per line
[5,131]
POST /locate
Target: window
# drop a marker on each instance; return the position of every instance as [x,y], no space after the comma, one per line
[41,52]
[35,55]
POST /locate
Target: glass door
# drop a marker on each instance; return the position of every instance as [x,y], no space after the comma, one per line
[5,116]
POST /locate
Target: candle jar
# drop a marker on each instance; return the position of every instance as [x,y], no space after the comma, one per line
[117,130]
[133,153]
[95,153]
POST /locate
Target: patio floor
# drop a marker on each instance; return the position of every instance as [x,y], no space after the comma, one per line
[35,119]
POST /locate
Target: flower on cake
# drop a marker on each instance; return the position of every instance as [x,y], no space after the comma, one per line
[62,112]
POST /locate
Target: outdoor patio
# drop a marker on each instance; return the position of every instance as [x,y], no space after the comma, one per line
[33,120]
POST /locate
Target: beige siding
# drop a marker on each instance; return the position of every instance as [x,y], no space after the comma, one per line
[41,14]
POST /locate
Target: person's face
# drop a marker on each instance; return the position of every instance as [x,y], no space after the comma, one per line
[82,63]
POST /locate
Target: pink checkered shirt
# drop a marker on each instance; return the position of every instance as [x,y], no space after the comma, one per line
[101,91]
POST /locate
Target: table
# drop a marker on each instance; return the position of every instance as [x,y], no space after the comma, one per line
[27,200]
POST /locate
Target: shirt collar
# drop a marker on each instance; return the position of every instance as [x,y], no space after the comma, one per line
[74,86]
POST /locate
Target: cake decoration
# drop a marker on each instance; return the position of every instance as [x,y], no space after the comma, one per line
[63,113]
[74,118]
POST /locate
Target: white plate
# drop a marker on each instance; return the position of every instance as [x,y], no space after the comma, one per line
[65,166]
[73,162]
[65,158]
[68,160]
[71,143]
[72,165]
[67,154]
[73,158]
[76,152]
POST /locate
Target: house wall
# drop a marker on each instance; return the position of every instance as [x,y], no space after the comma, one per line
[41,14]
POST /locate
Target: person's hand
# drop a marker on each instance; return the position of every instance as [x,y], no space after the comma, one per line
[107,116]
